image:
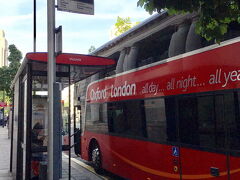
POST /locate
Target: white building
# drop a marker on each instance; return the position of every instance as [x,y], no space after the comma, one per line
[3,49]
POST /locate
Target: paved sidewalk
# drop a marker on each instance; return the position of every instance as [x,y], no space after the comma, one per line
[78,172]
[4,154]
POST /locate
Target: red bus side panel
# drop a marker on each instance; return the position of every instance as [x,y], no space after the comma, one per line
[141,160]
[197,164]
[216,69]
[234,163]
[135,159]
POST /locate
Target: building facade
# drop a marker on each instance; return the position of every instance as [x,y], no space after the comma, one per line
[3,49]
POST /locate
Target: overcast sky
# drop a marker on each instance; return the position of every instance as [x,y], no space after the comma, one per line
[79,31]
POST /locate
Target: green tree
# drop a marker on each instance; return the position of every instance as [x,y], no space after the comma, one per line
[91,49]
[7,74]
[215,16]
[15,55]
[123,24]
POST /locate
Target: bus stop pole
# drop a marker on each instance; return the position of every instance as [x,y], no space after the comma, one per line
[34,25]
[51,81]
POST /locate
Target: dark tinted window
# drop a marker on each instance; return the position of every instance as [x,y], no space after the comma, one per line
[153,119]
[160,119]
[206,120]
[116,119]
[221,122]
[156,119]
[211,120]
[127,118]
[188,129]
[171,111]
[232,117]
[96,118]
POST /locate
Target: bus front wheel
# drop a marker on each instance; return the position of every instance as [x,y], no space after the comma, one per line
[96,159]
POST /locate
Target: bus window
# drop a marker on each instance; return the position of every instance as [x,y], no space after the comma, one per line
[206,122]
[135,116]
[211,121]
[94,118]
[220,124]
[233,118]
[205,116]
[188,129]
[116,119]
[170,103]
[127,118]
[156,119]
[161,121]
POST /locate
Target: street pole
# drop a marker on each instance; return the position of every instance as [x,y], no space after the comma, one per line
[3,106]
[34,25]
[51,81]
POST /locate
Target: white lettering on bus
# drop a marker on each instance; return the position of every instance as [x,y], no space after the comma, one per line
[98,94]
[224,78]
[231,76]
[118,91]
[125,90]
[185,83]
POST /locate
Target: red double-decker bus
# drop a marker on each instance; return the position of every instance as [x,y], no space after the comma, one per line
[169,110]
[174,119]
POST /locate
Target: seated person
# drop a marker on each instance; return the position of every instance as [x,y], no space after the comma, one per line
[37,138]
[37,134]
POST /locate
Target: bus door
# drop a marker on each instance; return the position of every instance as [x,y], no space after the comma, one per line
[208,128]
[77,129]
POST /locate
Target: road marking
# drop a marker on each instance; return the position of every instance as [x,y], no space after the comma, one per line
[89,168]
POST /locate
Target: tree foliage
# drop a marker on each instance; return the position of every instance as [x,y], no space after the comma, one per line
[215,16]
[91,49]
[123,24]
[15,55]
[7,74]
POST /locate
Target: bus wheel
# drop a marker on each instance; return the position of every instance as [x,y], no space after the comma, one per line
[96,159]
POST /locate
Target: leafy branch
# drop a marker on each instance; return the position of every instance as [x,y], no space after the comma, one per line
[7,74]
[215,16]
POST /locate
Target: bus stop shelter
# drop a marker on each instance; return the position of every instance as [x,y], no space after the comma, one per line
[29,122]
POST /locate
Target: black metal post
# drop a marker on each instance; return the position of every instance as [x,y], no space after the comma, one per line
[3,106]
[34,25]
[69,125]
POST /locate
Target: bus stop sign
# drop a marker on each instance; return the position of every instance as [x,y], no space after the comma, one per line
[76,6]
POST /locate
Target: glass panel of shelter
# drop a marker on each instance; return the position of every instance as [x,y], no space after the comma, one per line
[22,128]
[39,131]
[39,124]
